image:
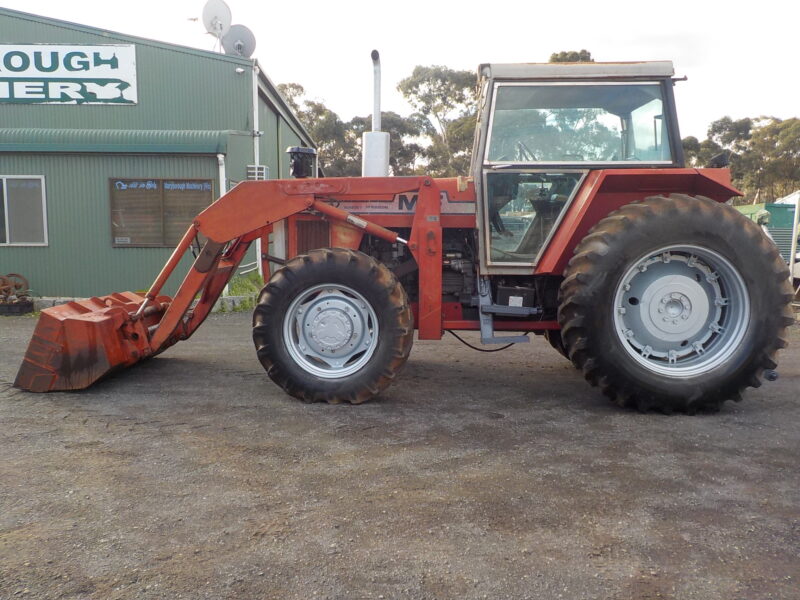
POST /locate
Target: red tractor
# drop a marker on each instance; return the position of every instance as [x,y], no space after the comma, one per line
[579,222]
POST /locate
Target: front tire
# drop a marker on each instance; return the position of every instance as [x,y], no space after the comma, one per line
[675,304]
[333,325]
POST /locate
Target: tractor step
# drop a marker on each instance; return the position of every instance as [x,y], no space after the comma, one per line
[515,311]
[488,310]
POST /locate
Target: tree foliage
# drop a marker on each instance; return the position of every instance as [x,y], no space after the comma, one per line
[437,138]
[405,150]
[339,142]
[337,146]
[764,154]
[293,94]
[571,56]
[446,104]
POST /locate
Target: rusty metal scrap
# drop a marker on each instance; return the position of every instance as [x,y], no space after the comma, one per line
[14,288]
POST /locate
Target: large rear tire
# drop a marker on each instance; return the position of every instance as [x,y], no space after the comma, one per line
[675,304]
[333,326]
[553,337]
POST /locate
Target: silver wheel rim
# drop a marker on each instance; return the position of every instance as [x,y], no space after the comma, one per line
[330,331]
[681,310]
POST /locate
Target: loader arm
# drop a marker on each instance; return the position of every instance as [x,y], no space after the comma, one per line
[76,344]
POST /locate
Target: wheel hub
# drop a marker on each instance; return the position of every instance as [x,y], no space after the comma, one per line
[674,307]
[681,310]
[330,331]
[331,328]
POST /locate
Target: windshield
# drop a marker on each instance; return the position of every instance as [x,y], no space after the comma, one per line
[578,123]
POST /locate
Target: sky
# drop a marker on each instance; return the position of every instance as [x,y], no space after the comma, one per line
[739,57]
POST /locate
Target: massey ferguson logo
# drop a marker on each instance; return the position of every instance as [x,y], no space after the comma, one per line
[406,204]
[409,201]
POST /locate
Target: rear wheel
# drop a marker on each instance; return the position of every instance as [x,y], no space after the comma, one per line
[553,337]
[675,303]
[333,325]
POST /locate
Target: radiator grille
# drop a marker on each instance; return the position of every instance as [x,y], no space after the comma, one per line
[312,235]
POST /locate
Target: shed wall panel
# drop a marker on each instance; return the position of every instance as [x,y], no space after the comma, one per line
[179,90]
[268,123]
[79,259]
[287,138]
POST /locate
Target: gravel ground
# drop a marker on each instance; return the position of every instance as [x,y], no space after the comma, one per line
[475,476]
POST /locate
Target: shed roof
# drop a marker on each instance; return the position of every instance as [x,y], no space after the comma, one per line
[124,37]
[582,70]
[270,90]
[115,141]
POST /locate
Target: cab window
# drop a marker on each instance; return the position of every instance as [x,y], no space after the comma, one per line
[578,123]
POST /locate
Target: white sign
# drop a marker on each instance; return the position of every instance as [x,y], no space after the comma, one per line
[61,74]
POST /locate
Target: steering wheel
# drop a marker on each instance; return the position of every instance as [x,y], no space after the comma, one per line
[523,152]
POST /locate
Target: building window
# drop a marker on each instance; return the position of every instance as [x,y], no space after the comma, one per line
[23,212]
[155,212]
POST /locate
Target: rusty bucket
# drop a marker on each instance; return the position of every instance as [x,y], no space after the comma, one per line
[77,343]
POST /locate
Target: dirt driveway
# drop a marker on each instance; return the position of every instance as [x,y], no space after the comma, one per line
[476,476]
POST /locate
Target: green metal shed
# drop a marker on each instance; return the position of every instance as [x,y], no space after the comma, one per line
[781,218]
[110,143]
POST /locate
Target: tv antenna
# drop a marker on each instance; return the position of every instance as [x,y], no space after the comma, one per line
[217,18]
[239,41]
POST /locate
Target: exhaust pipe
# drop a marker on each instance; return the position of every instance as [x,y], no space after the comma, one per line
[375,143]
[376,102]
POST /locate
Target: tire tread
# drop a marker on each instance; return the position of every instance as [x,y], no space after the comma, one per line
[577,299]
[273,295]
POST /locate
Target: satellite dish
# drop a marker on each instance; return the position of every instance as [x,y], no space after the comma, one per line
[239,41]
[217,17]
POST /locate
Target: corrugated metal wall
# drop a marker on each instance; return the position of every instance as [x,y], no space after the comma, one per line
[79,260]
[178,89]
[287,138]
[270,153]
[171,81]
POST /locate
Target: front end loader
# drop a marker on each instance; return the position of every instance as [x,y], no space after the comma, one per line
[579,222]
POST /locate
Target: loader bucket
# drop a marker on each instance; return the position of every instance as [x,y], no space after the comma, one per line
[77,343]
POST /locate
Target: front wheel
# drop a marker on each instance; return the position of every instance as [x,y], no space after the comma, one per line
[334,326]
[675,304]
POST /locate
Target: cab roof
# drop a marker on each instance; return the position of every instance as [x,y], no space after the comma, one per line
[580,70]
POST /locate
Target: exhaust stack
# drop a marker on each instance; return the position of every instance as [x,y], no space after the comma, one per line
[375,143]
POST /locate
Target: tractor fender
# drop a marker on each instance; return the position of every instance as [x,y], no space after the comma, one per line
[604,191]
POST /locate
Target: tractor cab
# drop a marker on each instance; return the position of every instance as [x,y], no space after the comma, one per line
[543,127]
